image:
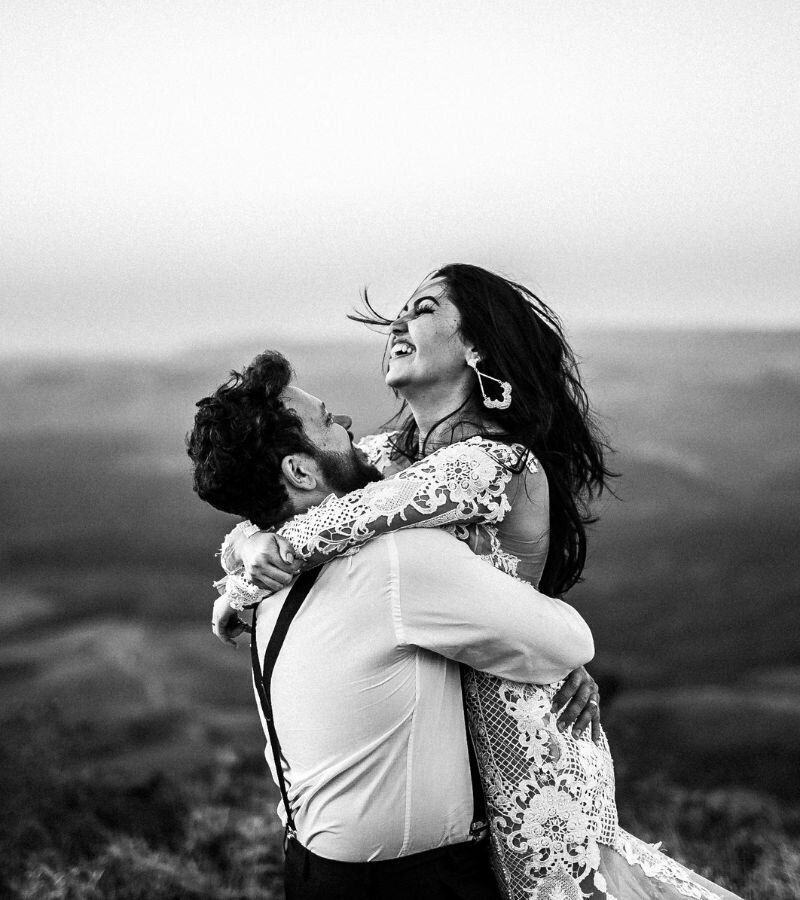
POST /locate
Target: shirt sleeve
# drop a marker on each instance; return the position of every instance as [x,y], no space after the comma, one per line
[462,483]
[451,602]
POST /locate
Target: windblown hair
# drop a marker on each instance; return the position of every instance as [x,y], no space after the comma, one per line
[521,340]
[241,433]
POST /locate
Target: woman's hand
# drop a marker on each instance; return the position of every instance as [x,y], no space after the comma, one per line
[269,560]
[582,698]
[225,622]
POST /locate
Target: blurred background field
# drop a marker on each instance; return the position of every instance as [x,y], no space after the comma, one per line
[131,747]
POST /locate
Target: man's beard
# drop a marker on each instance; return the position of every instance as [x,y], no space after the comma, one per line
[345,472]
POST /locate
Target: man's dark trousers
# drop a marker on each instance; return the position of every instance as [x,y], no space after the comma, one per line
[456,872]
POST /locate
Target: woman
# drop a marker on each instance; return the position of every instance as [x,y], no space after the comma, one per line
[499,446]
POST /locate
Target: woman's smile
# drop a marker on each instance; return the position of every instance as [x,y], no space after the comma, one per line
[426,346]
[401,348]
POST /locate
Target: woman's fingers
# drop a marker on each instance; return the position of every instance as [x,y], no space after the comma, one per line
[589,715]
[267,551]
[286,551]
[596,730]
[576,706]
[567,690]
[582,698]
[225,622]
[268,576]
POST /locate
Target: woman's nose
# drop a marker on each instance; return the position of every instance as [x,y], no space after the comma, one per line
[345,421]
[400,325]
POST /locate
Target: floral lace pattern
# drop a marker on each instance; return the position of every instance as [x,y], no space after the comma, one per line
[505,562]
[241,594]
[377,448]
[658,865]
[461,483]
[226,551]
[549,796]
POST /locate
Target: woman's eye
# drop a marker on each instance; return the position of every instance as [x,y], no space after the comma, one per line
[426,308]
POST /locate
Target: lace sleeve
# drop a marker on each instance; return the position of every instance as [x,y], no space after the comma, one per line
[463,483]
[377,448]
[228,558]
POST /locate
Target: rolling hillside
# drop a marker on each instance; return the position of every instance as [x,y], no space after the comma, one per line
[691,587]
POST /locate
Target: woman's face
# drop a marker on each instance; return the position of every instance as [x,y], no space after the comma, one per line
[426,347]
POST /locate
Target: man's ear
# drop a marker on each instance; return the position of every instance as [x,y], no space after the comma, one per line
[300,471]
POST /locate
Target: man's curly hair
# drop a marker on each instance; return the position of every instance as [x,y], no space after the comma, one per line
[241,433]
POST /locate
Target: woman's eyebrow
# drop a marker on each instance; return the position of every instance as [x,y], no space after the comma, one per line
[404,313]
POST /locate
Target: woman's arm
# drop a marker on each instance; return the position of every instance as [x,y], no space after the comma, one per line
[376,448]
[460,484]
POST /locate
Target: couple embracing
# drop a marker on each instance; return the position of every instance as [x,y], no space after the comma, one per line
[407,582]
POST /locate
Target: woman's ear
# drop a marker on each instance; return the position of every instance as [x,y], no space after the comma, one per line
[300,471]
[473,357]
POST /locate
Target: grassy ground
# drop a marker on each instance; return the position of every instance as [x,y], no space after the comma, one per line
[69,834]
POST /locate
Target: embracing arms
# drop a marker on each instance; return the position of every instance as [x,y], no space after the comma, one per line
[460,484]
[455,604]
[463,483]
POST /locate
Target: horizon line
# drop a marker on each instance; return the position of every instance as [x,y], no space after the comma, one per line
[182,350]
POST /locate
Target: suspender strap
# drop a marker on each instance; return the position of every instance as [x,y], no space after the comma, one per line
[291,605]
[289,610]
[479,824]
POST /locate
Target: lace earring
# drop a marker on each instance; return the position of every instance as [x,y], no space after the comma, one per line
[505,401]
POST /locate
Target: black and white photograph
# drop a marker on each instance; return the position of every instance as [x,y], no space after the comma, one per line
[399,472]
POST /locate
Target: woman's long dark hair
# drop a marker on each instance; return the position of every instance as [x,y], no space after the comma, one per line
[521,340]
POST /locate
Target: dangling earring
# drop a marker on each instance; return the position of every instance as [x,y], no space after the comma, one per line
[503,403]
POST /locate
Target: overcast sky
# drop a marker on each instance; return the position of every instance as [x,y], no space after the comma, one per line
[172,173]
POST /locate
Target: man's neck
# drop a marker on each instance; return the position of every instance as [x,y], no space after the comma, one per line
[303,501]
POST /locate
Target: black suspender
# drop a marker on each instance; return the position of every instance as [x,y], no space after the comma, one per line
[291,605]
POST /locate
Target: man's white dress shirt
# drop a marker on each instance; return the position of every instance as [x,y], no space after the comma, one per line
[366,691]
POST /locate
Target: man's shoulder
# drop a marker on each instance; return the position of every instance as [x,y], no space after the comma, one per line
[426,547]
[410,546]
[374,552]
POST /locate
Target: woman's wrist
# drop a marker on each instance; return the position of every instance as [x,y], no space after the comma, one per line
[241,593]
[229,553]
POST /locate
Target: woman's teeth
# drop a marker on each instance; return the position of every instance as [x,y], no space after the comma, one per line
[401,349]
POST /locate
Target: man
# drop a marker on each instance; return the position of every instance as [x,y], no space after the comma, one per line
[366,693]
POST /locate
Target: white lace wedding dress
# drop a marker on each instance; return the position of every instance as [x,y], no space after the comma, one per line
[550,796]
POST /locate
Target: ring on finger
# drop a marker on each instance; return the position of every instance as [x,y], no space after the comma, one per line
[593,703]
